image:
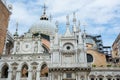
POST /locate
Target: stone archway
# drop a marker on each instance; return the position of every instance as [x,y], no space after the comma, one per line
[4,73]
[44,71]
[24,71]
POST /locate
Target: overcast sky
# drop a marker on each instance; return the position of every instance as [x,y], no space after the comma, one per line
[99,16]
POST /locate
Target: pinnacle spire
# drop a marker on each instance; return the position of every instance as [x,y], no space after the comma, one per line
[44,7]
[67,17]
[16,33]
[74,18]
[44,16]
[67,33]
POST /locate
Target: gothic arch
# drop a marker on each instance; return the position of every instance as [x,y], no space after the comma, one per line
[24,70]
[44,70]
[4,71]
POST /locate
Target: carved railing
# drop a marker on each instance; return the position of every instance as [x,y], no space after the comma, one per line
[44,78]
[69,65]
[23,79]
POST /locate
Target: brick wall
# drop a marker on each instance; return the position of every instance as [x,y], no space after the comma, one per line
[4,17]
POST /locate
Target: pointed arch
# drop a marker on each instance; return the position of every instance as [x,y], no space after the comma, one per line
[4,71]
[44,70]
[24,70]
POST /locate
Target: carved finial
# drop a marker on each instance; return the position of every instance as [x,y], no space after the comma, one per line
[67,17]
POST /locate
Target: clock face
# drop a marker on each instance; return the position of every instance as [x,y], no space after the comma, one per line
[26,47]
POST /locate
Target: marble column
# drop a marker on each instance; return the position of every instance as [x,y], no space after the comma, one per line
[60,76]
[29,74]
[50,78]
[78,76]
[10,75]
[86,77]
[18,75]
[38,75]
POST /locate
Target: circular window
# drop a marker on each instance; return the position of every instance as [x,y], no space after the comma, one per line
[68,47]
[89,58]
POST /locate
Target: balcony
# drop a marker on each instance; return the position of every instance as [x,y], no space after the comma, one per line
[23,79]
[63,65]
[68,51]
[44,78]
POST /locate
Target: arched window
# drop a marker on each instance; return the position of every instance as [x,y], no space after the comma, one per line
[24,71]
[4,73]
[89,58]
[44,71]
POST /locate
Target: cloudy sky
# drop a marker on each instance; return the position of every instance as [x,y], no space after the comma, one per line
[97,16]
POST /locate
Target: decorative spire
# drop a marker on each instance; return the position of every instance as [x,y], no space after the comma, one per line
[67,33]
[56,23]
[16,33]
[84,35]
[44,16]
[74,23]
[79,26]
[67,17]
[44,7]
[74,18]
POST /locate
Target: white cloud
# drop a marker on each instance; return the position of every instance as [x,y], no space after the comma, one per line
[93,12]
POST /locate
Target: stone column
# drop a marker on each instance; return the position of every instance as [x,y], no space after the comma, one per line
[86,77]
[18,75]
[10,75]
[38,75]
[50,78]
[60,76]
[29,74]
[104,78]
[78,76]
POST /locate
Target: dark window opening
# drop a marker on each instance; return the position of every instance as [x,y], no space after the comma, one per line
[89,58]
[69,75]
[44,71]
[4,72]
[24,71]
[92,79]
[68,47]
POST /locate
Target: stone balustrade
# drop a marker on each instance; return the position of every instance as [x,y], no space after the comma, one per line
[44,78]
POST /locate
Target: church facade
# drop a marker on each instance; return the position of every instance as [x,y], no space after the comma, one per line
[43,54]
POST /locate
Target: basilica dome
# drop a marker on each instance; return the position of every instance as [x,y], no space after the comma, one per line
[43,27]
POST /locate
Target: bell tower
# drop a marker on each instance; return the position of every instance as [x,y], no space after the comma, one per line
[4,19]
